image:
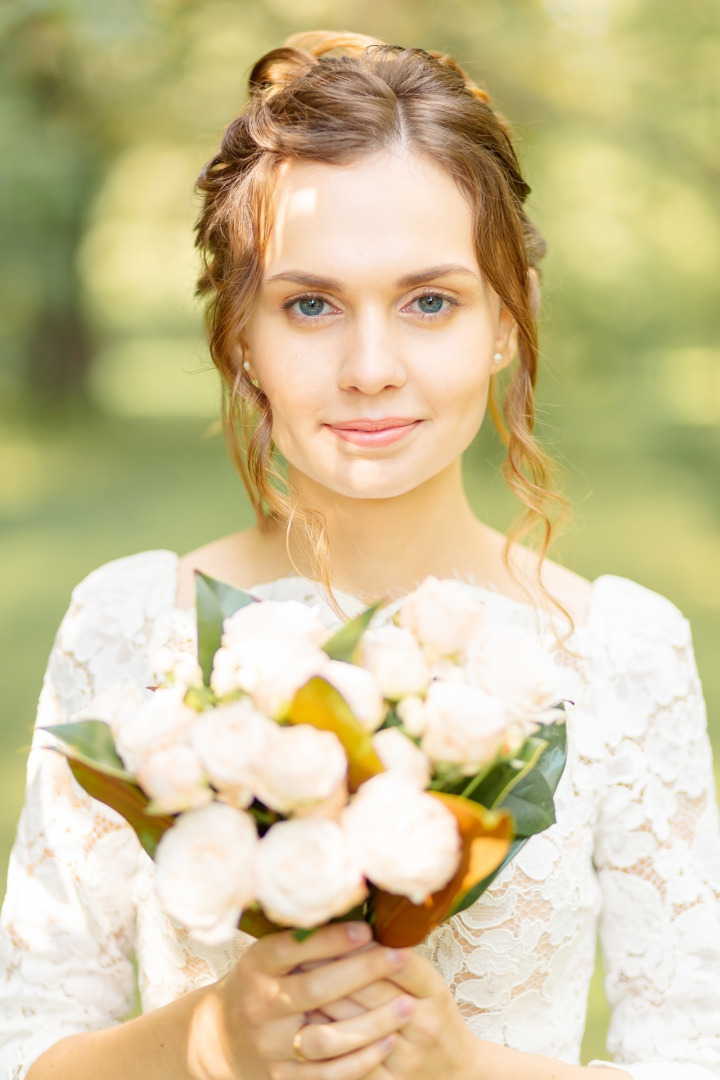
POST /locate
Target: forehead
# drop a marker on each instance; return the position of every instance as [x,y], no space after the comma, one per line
[389,211]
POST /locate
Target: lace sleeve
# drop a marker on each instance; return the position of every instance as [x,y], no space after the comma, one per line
[658,857]
[67,925]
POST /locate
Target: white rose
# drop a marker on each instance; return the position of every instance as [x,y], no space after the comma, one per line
[442,615]
[271,620]
[160,720]
[174,778]
[232,742]
[273,671]
[399,753]
[176,668]
[360,689]
[206,870]
[396,660]
[307,873]
[411,711]
[463,725]
[302,766]
[512,665]
[406,841]
[223,678]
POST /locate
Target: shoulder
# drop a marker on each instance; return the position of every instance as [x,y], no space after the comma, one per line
[618,604]
[133,590]
[244,559]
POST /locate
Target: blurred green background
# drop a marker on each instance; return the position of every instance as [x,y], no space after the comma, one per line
[107,404]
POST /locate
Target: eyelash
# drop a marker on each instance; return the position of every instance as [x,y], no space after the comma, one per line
[290,304]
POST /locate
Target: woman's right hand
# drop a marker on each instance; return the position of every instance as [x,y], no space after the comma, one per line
[259,1007]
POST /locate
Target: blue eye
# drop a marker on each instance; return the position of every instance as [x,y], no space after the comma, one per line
[311,305]
[431,304]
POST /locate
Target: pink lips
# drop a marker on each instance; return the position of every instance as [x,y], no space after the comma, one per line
[382,432]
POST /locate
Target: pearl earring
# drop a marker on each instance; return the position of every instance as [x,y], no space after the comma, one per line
[497,358]
[246,369]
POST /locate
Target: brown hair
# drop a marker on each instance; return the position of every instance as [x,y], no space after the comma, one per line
[334,98]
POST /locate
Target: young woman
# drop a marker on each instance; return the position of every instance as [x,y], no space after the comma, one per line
[370,270]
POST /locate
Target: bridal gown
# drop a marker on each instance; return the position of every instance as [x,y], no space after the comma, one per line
[635,850]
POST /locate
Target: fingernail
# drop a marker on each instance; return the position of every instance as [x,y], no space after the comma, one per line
[387,1043]
[404,1006]
[396,957]
[358,931]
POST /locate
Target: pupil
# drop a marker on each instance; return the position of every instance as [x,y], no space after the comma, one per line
[312,305]
[430,304]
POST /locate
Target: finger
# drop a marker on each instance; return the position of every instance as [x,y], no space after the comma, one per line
[355,1066]
[312,989]
[368,997]
[278,954]
[418,977]
[321,1042]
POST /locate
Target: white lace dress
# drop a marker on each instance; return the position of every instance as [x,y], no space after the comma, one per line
[636,849]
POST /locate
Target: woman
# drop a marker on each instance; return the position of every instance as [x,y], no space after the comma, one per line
[370,270]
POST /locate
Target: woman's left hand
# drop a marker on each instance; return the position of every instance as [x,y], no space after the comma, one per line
[435,1041]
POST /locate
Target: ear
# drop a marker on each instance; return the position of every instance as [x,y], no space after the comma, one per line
[535,293]
[506,340]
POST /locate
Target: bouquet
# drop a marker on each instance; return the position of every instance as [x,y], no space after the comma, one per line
[290,776]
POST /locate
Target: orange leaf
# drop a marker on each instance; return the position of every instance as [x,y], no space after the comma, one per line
[486,836]
[319,704]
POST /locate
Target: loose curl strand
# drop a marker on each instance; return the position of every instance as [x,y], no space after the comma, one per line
[333,98]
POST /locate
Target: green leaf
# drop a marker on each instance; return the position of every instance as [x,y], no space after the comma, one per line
[503,775]
[302,935]
[553,759]
[214,602]
[91,741]
[126,798]
[531,804]
[343,644]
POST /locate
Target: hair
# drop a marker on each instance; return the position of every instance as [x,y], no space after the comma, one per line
[335,98]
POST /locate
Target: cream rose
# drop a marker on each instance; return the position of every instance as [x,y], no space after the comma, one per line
[160,720]
[360,689]
[302,767]
[399,754]
[396,660]
[174,778]
[512,665]
[406,841]
[271,620]
[206,870]
[463,725]
[411,711]
[442,615]
[178,669]
[232,743]
[273,671]
[307,873]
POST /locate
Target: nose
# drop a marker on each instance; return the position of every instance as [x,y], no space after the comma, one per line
[371,360]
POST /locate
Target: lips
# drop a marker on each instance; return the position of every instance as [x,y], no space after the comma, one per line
[375,433]
[374,425]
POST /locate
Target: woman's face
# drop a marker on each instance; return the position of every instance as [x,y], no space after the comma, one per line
[374,332]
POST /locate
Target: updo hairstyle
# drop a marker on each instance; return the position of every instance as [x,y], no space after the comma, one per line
[335,98]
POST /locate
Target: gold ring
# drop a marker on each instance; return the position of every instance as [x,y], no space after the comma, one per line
[297,1040]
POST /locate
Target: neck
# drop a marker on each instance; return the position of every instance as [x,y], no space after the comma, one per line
[385,547]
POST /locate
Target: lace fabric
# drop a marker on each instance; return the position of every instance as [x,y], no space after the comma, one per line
[635,850]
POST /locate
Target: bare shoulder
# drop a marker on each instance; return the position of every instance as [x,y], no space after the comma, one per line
[570,589]
[244,559]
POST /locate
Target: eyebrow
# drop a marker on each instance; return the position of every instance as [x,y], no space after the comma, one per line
[420,278]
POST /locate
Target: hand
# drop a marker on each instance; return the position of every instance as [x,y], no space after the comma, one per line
[434,1041]
[265,1000]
